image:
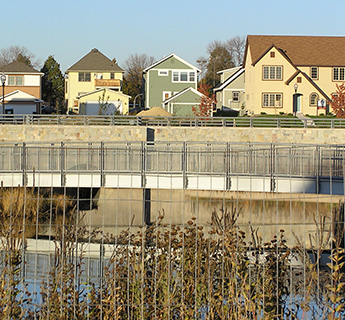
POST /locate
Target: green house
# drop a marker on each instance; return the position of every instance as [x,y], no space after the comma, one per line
[166,78]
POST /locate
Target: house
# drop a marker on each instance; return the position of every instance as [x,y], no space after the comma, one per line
[230,91]
[292,74]
[168,77]
[93,81]
[22,90]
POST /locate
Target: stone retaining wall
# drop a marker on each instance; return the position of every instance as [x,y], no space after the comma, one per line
[54,133]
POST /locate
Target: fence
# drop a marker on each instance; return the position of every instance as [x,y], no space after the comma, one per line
[89,252]
[249,122]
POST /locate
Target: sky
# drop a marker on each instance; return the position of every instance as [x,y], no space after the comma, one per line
[69,29]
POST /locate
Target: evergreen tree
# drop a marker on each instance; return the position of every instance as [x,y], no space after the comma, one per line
[53,85]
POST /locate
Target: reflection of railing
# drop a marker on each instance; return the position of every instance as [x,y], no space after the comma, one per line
[108,83]
[240,122]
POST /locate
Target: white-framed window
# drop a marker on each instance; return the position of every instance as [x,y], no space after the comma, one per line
[84,77]
[313,99]
[15,80]
[272,73]
[272,100]
[314,73]
[166,95]
[235,96]
[183,76]
[112,75]
[163,72]
[338,74]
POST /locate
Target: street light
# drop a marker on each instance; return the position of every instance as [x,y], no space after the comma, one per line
[3,80]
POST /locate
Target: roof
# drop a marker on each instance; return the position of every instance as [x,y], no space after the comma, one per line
[103,89]
[300,50]
[178,94]
[233,77]
[20,96]
[168,57]
[18,67]
[95,61]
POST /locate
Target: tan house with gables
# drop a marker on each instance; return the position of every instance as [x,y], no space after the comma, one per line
[292,74]
[95,80]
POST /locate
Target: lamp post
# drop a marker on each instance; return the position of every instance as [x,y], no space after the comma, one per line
[3,80]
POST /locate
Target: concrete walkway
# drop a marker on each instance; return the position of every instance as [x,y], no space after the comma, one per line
[310,121]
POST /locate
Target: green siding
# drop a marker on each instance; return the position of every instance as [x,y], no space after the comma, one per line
[172,63]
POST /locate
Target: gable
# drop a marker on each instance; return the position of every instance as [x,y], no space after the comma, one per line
[188,95]
[171,62]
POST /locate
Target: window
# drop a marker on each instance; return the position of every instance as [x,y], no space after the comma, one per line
[112,75]
[163,72]
[191,76]
[183,76]
[272,72]
[273,54]
[272,100]
[314,98]
[84,76]
[299,79]
[15,80]
[314,73]
[338,74]
[166,95]
[11,80]
[235,96]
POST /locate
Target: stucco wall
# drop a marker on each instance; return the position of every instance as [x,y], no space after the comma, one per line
[51,133]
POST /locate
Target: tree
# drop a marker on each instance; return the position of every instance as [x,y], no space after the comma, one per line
[338,101]
[134,66]
[17,53]
[236,46]
[222,55]
[207,101]
[53,85]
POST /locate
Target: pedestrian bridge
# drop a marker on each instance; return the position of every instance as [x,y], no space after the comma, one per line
[253,167]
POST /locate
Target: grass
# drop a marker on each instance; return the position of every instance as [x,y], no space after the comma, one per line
[166,271]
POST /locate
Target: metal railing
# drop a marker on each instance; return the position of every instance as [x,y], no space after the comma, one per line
[176,157]
[245,122]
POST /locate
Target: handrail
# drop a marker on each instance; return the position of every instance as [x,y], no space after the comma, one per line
[174,121]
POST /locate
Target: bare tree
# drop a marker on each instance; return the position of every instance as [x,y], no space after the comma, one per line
[134,66]
[236,46]
[17,53]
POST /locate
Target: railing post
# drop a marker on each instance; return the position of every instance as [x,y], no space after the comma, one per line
[24,158]
[184,165]
[62,164]
[332,123]
[102,164]
[305,123]
[251,122]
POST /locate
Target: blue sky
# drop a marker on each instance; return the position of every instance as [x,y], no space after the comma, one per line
[69,29]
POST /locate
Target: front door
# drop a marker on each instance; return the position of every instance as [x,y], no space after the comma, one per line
[298,104]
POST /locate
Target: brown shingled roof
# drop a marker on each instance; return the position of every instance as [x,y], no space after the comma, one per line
[95,61]
[17,66]
[302,50]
